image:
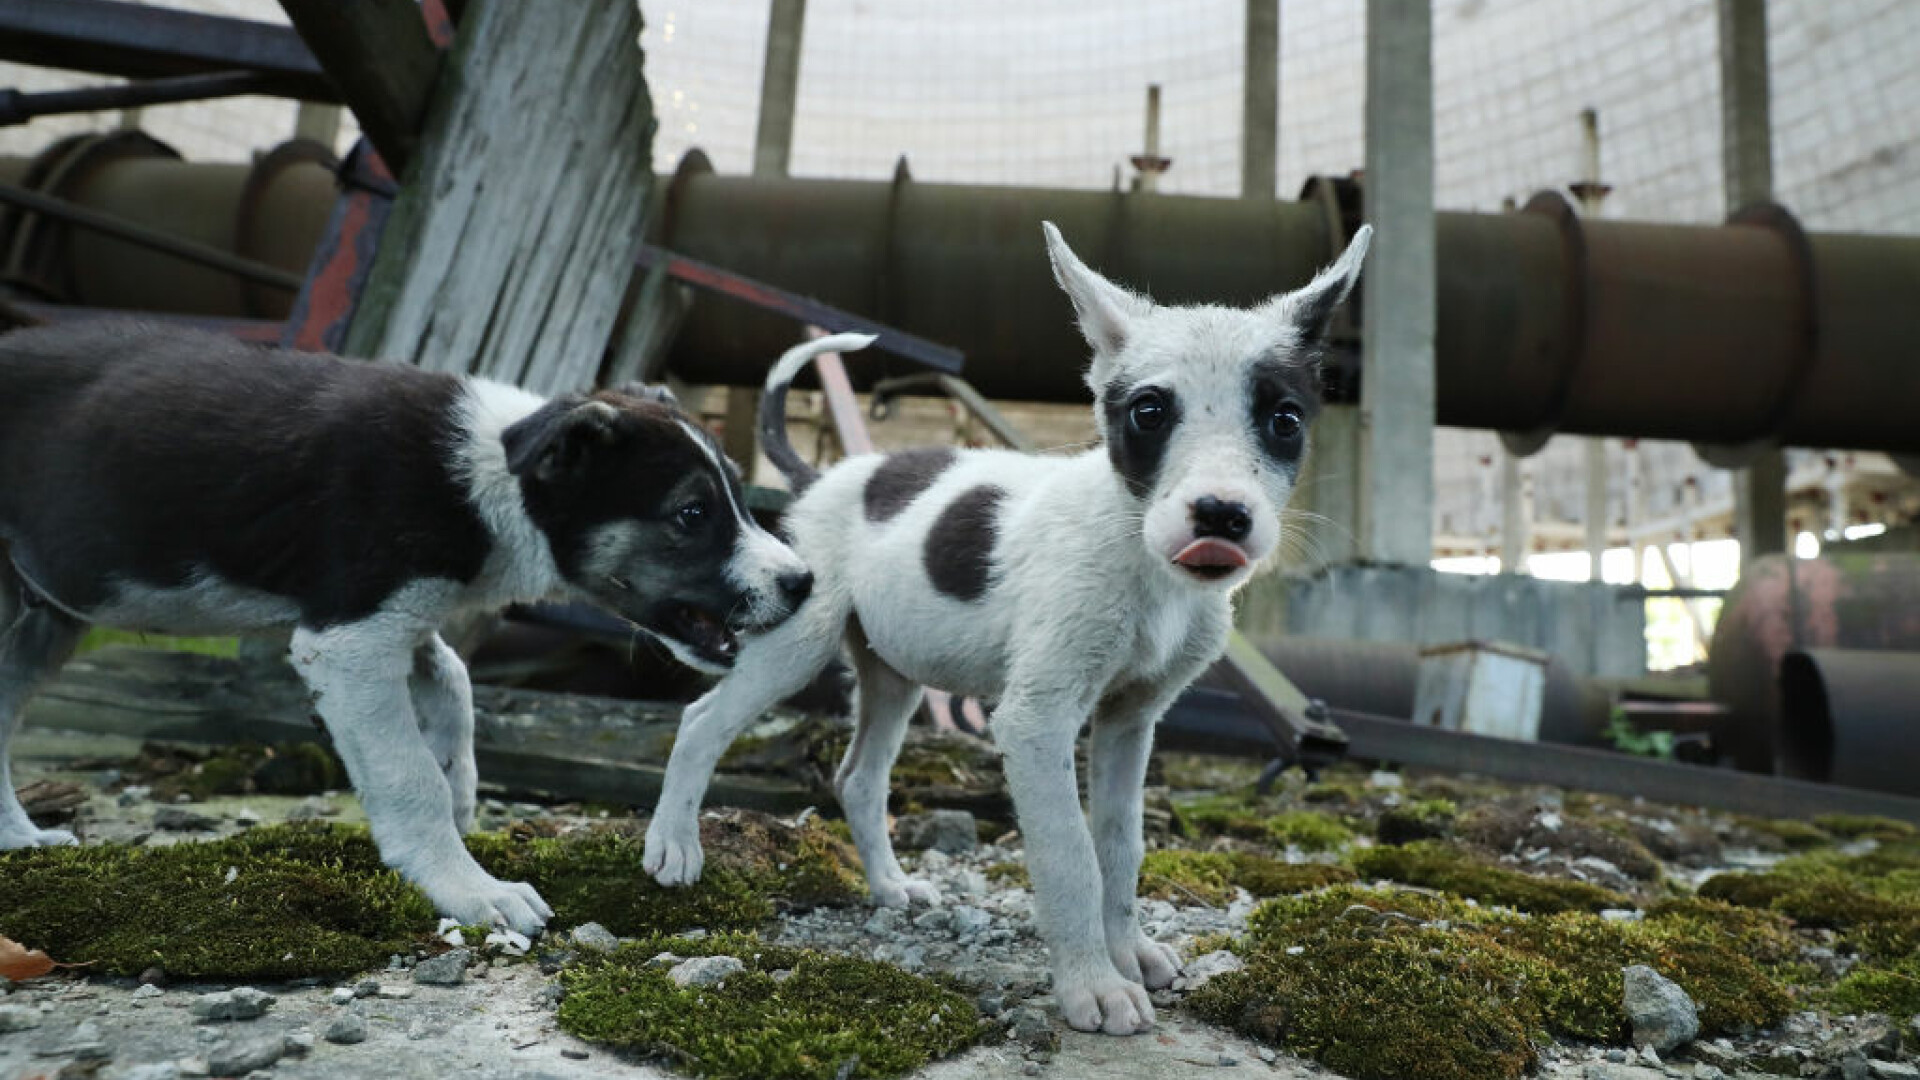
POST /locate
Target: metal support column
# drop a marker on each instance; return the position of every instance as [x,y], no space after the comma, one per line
[1746,152]
[1260,108]
[1397,394]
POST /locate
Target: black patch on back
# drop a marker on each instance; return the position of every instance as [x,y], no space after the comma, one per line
[1271,387]
[901,478]
[1136,455]
[146,454]
[959,549]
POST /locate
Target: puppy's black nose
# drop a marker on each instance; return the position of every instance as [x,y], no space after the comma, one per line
[1217,517]
[796,586]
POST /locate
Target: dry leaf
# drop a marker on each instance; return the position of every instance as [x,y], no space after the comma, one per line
[19,962]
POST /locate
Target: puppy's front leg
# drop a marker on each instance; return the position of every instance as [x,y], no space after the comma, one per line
[1117,769]
[358,676]
[1036,738]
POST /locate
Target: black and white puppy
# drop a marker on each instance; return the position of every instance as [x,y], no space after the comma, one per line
[1096,585]
[176,481]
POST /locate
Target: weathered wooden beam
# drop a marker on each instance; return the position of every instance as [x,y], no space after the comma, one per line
[514,237]
[379,54]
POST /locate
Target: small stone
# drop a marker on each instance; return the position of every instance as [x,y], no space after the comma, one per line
[238,1057]
[155,1070]
[1854,1067]
[665,959]
[705,970]
[153,976]
[1029,1068]
[366,988]
[1200,970]
[447,969]
[312,807]
[991,1003]
[1386,781]
[884,921]
[147,992]
[180,819]
[341,995]
[1266,1053]
[967,920]
[595,938]
[576,1055]
[951,832]
[346,1029]
[133,793]
[1663,1016]
[192,1066]
[396,992]
[1227,1061]
[1891,1070]
[299,1043]
[240,1003]
[1031,1028]
[246,817]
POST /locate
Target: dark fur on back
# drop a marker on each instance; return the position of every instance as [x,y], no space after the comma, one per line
[328,494]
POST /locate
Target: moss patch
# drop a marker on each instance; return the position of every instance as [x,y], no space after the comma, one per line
[1423,819]
[1855,826]
[1384,983]
[825,1014]
[1892,989]
[246,768]
[273,903]
[1436,865]
[755,866]
[1872,899]
[1245,816]
[1211,876]
[1512,826]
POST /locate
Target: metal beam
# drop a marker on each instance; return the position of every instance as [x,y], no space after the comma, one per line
[17,107]
[136,41]
[192,251]
[381,56]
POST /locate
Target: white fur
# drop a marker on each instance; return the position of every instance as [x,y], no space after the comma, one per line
[521,567]
[1087,616]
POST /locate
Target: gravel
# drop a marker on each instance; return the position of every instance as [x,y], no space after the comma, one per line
[240,1003]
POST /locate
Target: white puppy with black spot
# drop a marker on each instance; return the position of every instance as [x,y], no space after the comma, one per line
[182,482]
[1064,588]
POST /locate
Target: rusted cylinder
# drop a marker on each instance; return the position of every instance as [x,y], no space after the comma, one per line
[1850,717]
[273,211]
[1726,335]
[1868,602]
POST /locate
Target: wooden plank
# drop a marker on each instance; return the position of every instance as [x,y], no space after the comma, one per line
[514,238]
[379,54]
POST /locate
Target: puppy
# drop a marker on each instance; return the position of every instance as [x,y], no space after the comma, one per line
[1094,586]
[180,482]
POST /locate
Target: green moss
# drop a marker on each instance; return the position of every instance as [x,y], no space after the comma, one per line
[1893,989]
[754,862]
[1396,983]
[245,768]
[1423,819]
[1872,899]
[827,1014]
[1210,876]
[1308,830]
[1009,874]
[1436,865]
[101,637]
[1791,833]
[1854,826]
[274,903]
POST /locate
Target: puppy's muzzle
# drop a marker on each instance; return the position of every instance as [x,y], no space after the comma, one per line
[1219,526]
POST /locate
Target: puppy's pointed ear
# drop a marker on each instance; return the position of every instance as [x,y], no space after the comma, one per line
[1310,308]
[556,438]
[1106,310]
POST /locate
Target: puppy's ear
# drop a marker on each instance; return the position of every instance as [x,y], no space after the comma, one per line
[1310,308]
[556,438]
[1106,310]
[649,392]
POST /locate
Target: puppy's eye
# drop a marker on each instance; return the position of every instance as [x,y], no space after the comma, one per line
[690,516]
[1285,422]
[1148,412]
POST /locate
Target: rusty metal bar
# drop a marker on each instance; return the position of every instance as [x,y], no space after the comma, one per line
[960,390]
[17,107]
[735,284]
[192,251]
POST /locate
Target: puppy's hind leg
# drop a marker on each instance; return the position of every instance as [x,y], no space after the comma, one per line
[443,700]
[771,667]
[35,639]
[886,703]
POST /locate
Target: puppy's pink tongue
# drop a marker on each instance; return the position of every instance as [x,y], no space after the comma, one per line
[1211,552]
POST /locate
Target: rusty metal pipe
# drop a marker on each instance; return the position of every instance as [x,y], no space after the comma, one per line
[1748,333]
[1850,718]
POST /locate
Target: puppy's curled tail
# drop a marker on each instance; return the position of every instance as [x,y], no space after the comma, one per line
[773,404]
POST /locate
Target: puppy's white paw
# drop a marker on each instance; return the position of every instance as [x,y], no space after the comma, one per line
[1108,1003]
[1146,961]
[32,837]
[673,855]
[902,891]
[515,905]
